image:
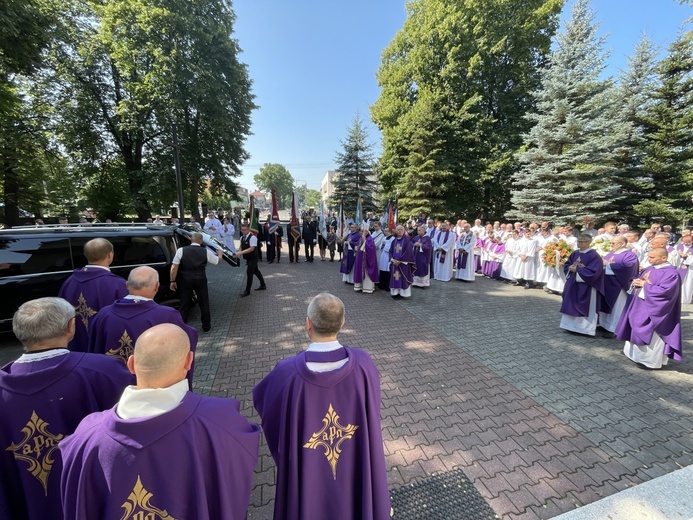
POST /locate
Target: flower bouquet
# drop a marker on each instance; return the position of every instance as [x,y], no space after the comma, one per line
[550,249]
[601,245]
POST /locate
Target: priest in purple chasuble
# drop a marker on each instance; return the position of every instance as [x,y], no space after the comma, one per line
[43,397]
[584,271]
[162,451]
[651,322]
[465,255]
[684,261]
[402,265]
[351,244]
[443,253]
[621,266]
[92,287]
[320,415]
[497,254]
[366,270]
[115,329]
[422,246]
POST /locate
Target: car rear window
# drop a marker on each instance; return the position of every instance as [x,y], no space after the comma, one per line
[33,255]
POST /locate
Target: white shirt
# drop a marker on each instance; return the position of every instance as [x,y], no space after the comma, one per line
[31,357]
[149,402]
[136,297]
[211,258]
[330,365]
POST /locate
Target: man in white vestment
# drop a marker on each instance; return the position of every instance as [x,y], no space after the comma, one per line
[213,226]
[525,272]
[444,253]
[465,258]
[430,228]
[684,263]
[377,235]
[508,267]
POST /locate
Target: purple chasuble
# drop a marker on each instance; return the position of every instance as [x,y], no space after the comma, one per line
[324,433]
[659,312]
[625,266]
[422,254]
[88,290]
[401,275]
[367,261]
[576,295]
[41,403]
[683,268]
[351,244]
[195,461]
[116,327]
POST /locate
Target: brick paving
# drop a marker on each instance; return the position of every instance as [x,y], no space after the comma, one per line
[475,377]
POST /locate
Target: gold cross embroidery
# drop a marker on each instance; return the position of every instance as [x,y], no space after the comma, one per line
[83,310]
[330,438]
[37,449]
[125,348]
[398,248]
[137,505]
[397,275]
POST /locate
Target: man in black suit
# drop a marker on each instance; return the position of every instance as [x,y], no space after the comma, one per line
[310,237]
[294,244]
[249,243]
[188,274]
[273,236]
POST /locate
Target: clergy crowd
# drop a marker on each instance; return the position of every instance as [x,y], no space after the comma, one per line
[629,285]
[99,419]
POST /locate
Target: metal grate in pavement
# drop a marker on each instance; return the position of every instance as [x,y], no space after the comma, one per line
[445,496]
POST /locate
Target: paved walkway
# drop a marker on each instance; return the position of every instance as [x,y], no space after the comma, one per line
[477,381]
[475,377]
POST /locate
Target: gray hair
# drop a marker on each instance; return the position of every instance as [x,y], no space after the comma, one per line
[42,319]
[584,237]
[326,313]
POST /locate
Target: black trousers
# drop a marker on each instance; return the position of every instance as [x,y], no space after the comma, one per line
[186,286]
[270,252]
[294,249]
[251,270]
[309,249]
[384,283]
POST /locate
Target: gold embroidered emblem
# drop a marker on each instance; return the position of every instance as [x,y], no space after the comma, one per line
[330,437]
[37,448]
[397,275]
[125,348]
[398,248]
[83,310]
[137,505]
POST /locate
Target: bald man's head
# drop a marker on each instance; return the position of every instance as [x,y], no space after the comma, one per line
[99,251]
[143,281]
[162,356]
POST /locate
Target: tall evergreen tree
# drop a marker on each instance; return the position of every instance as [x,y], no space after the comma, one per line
[355,164]
[569,163]
[635,93]
[669,159]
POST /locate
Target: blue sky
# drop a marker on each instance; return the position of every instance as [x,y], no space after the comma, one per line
[313,66]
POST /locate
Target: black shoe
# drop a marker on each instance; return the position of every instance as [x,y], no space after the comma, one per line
[262,288]
[527,286]
[516,284]
[206,329]
[271,262]
[244,294]
[332,260]
[608,335]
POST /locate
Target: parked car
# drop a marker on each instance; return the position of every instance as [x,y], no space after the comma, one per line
[35,261]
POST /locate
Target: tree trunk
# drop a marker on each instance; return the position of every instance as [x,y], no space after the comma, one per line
[11,195]
[194,193]
[133,168]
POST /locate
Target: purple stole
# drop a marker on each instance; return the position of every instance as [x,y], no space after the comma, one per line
[354,241]
[442,254]
[462,258]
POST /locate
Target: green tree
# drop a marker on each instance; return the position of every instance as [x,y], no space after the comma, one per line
[312,199]
[635,93]
[569,161]
[276,176]
[669,158]
[355,163]
[125,71]
[472,66]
